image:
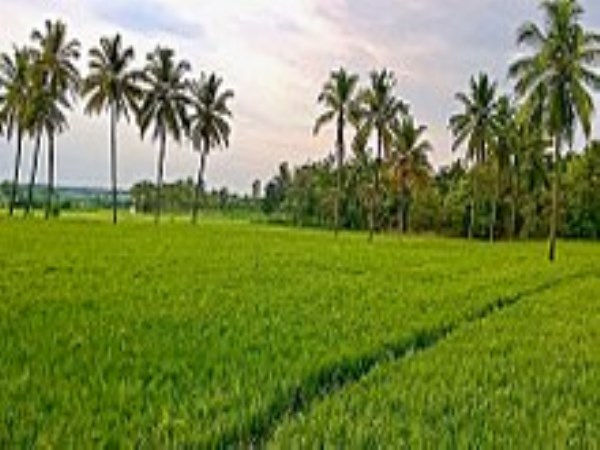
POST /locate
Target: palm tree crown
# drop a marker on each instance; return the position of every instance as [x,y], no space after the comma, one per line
[474,125]
[56,59]
[15,89]
[164,98]
[410,148]
[560,68]
[210,112]
[111,83]
[337,97]
[377,111]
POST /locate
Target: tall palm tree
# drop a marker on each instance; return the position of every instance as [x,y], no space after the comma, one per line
[163,106]
[561,65]
[209,123]
[112,86]
[59,77]
[410,164]
[473,126]
[377,110]
[15,71]
[337,97]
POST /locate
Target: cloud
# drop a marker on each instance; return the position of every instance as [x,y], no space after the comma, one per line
[146,16]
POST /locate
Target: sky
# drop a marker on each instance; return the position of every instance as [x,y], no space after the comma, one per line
[275,55]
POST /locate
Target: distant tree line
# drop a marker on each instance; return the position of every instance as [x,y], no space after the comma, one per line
[39,83]
[180,197]
[440,201]
[507,185]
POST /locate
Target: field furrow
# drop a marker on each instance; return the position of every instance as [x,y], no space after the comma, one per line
[523,377]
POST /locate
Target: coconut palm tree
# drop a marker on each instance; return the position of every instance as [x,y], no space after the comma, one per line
[337,97]
[377,110]
[59,77]
[15,84]
[561,65]
[409,163]
[209,123]
[112,86]
[46,116]
[473,126]
[163,106]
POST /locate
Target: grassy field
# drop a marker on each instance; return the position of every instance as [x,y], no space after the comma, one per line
[230,334]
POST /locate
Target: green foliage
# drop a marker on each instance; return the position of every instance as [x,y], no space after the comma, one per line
[141,336]
[583,194]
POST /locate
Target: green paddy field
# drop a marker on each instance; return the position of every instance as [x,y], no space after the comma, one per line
[238,335]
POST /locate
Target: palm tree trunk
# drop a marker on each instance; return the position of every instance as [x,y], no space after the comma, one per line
[471,216]
[555,186]
[50,188]
[34,166]
[495,202]
[513,217]
[400,214]
[199,183]
[15,185]
[160,175]
[340,174]
[375,212]
[113,159]
[402,199]
[371,219]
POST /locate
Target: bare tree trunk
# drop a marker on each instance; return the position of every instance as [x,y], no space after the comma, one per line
[15,185]
[113,159]
[160,175]
[200,182]
[34,166]
[555,186]
[50,187]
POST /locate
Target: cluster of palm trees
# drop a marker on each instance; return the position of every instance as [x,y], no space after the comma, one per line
[375,112]
[551,101]
[40,83]
[553,85]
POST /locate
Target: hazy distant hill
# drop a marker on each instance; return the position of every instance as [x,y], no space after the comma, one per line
[77,197]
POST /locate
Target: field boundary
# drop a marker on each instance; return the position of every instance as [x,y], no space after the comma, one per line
[331,379]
